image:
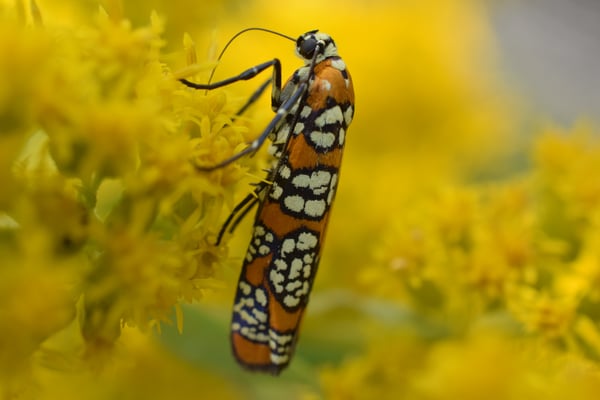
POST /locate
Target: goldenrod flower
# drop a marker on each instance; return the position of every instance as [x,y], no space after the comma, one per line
[106,223]
[449,271]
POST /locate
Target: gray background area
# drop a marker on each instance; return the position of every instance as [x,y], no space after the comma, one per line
[551,52]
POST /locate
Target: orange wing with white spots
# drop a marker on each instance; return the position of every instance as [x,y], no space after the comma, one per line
[283,255]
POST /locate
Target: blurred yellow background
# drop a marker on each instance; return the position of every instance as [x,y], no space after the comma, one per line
[461,259]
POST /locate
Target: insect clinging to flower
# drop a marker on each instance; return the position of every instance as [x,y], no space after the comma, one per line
[313,110]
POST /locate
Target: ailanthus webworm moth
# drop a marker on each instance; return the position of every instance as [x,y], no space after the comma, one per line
[313,111]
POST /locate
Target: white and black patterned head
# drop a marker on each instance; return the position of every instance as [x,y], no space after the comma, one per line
[307,44]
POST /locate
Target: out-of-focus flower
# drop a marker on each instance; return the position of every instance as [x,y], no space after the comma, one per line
[482,365]
[468,274]
[105,221]
[522,253]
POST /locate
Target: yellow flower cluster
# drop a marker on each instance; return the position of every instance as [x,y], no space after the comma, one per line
[105,222]
[526,246]
[475,367]
[455,265]
[503,275]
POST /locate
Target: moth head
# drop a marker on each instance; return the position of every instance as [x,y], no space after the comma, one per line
[312,41]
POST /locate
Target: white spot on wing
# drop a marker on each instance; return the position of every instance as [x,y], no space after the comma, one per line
[263,250]
[260,316]
[295,270]
[246,289]
[261,297]
[319,181]
[298,128]
[338,64]
[322,139]
[282,340]
[293,285]
[287,246]
[291,301]
[294,203]
[282,134]
[314,208]
[305,111]
[276,279]
[276,193]
[330,116]
[306,241]
[248,318]
[279,359]
[332,189]
[301,181]
[280,264]
[285,172]
[348,115]
[307,269]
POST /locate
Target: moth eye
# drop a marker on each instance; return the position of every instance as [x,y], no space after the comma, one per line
[306,47]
